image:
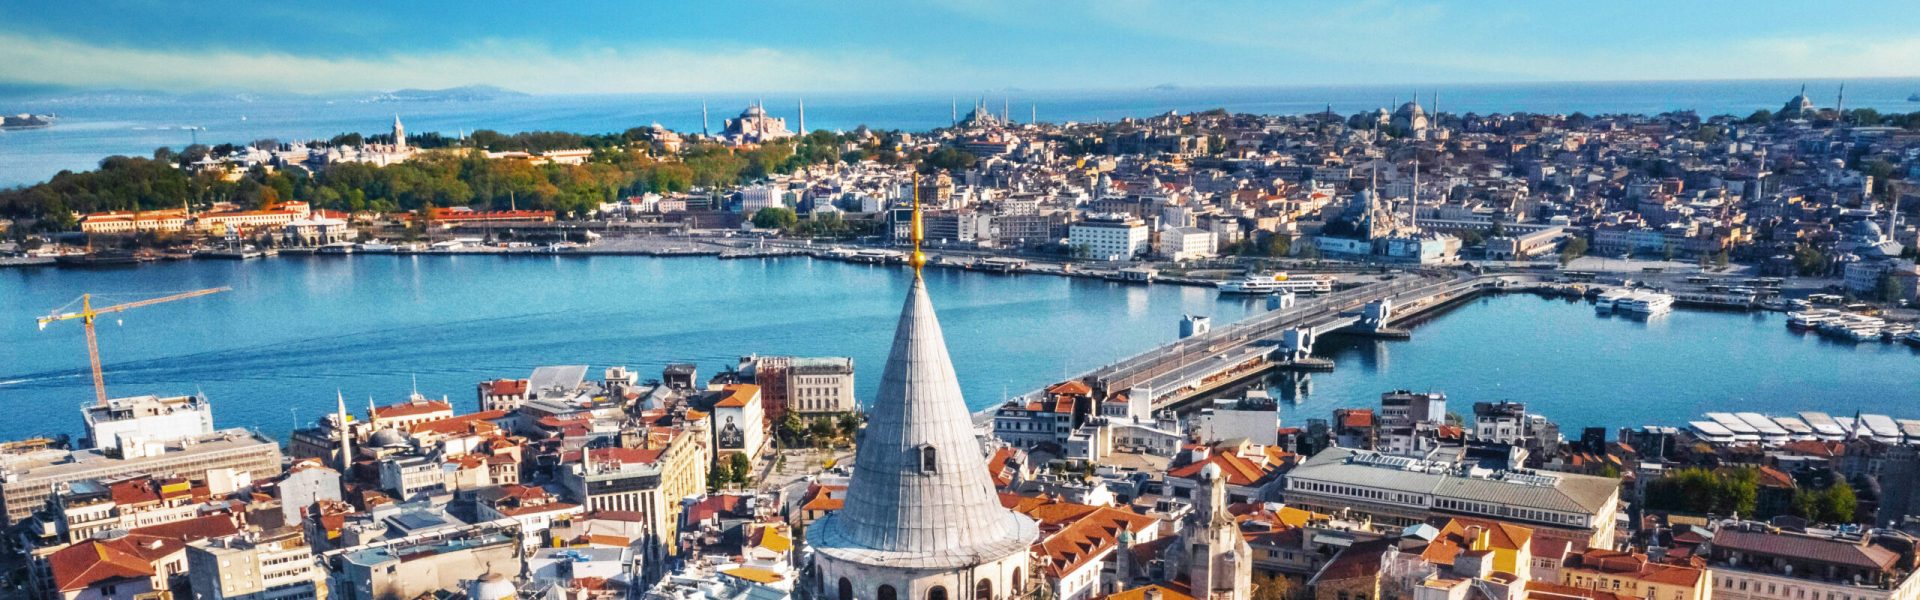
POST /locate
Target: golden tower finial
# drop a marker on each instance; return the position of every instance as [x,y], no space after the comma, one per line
[918,260]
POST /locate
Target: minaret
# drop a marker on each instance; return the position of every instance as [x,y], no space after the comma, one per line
[346,432]
[803,116]
[399,134]
[1006,118]
[955,121]
[703,119]
[1840,105]
[921,510]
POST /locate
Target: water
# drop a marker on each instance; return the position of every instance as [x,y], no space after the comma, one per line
[95,125]
[1584,370]
[294,330]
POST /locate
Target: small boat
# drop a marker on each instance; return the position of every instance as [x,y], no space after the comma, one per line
[1914,98]
[1912,338]
[336,248]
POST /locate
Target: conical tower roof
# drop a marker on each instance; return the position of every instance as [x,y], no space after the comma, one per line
[920,495]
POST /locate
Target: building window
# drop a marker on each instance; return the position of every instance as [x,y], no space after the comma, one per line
[939,592]
[846,589]
[928,461]
[983,590]
[886,593]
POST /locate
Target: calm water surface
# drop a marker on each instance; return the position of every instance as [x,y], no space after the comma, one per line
[294,330]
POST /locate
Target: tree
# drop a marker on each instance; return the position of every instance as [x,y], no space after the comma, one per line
[1760,117]
[742,468]
[850,423]
[1703,491]
[1575,248]
[1837,504]
[1498,229]
[1279,245]
[774,217]
[1887,289]
[1273,587]
[1808,261]
[823,431]
[721,474]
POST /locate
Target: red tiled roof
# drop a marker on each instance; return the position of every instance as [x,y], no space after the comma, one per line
[411,408]
[507,387]
[87,563]
[1072,387]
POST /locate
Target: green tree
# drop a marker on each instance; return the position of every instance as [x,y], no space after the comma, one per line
[1838,504]
[1808,261]
[1759,117]
[1888,289]
[1279,245]
[774,217]
[721,474]
[823,431]
[1574,248]
[1499,229]
[741,468]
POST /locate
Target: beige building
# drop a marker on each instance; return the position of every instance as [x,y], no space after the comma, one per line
[28,478]
[820,386]
[252,566]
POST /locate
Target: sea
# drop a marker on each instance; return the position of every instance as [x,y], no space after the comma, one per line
[295,331]
[96,124]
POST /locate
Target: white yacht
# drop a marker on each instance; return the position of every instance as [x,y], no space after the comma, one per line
[1809,319]
[1255,283]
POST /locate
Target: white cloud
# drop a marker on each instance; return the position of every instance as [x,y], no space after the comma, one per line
[522,66]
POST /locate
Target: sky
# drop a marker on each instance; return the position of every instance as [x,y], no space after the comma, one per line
[647,46]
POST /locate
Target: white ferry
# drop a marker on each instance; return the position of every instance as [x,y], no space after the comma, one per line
[1255,283]
[1645,303]
[1809,319]
[1608,300]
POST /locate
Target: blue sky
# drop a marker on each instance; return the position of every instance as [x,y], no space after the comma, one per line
[941,45]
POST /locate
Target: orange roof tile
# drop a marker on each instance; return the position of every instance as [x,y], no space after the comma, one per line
[738,395]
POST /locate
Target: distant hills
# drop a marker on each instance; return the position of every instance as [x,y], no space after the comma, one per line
[465,93]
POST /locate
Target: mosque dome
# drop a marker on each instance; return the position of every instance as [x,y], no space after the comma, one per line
[492,586]
[1410,109]
[387,438]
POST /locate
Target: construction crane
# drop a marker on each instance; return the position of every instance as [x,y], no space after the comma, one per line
[87,314]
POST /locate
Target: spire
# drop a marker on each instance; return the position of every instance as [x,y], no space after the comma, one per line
[1840,104]
[803,116]
[920,496]
[703,118]
[917,231]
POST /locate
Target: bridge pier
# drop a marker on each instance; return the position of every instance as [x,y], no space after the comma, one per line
[1373,321]
[1295,352]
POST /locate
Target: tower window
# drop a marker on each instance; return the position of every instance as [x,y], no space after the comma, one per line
[928,460]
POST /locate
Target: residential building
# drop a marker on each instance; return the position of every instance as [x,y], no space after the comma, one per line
[134,426]
[1110,237]
[1751,561]
[276,565]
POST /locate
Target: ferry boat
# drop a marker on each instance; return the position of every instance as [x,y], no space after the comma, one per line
[335,248]
[1914,98]
[1754,428]
[375,247]
[1255,283]
[1810,319]
[1912,338]
[1608,300]
[1645,303]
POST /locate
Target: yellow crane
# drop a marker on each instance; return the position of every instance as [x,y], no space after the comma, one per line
[87,314]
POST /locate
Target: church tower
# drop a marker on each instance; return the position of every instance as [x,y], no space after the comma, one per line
[399,134]
[922,520]
[1219,561]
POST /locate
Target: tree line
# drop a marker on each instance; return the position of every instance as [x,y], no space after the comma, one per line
[451,172]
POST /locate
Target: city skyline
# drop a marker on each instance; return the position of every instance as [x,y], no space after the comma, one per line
[751,47]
